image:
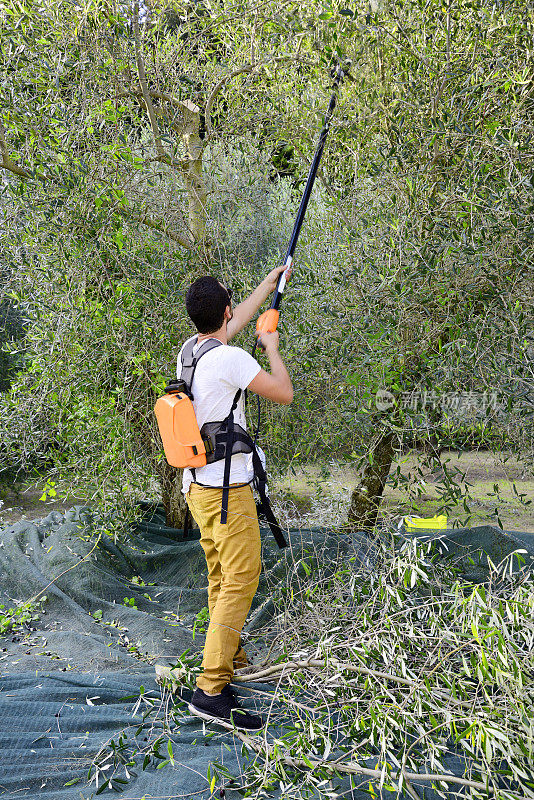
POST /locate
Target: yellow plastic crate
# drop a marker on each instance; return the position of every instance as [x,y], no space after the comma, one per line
[425,523]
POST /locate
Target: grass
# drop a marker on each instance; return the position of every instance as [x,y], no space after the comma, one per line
[492,481]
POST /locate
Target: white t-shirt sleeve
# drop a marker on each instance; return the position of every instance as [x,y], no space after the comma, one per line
[245,368]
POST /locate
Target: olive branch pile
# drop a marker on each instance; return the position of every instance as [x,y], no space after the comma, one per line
[386,674]
[392,678]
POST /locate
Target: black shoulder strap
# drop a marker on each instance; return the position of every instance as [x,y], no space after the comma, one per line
[190,361]
[229,421]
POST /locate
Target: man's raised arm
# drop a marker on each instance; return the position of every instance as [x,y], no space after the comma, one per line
[244,312]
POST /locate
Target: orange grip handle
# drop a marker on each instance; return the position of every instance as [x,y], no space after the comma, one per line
[268,321]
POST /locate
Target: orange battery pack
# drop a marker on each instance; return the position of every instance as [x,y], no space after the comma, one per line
[179,431]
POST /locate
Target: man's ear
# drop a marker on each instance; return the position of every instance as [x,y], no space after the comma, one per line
[228,313]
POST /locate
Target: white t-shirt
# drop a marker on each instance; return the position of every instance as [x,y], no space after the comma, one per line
[218,376]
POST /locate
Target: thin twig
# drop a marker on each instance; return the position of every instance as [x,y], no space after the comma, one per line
[8,163]
[246,68]
[144,218]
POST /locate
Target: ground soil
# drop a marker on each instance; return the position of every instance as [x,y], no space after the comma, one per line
[25,503]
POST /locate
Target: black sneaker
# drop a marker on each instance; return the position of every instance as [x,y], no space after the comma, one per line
[225,709]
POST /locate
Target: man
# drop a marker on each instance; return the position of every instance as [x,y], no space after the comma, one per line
[233,549]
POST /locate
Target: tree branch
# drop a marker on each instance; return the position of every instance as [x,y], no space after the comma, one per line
[152,93]
[10,166]
[277,671]
[155,225]
[144,85]
[351,768]
[187,108]
[217,88]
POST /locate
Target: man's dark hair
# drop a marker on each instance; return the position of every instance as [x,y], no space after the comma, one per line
[206,301]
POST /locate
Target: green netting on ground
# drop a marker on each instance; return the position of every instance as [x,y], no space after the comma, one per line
[86,580]
[63,685]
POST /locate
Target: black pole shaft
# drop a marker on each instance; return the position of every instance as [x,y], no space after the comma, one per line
[277,298]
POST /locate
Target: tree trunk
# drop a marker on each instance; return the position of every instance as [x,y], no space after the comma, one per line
[189,129]
[193,176]
[366,497]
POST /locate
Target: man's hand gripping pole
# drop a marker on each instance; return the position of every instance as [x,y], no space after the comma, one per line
[268,321]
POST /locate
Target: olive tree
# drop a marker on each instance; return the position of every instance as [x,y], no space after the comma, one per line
[444,123]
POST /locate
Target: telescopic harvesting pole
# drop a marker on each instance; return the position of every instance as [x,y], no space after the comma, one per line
[268,321]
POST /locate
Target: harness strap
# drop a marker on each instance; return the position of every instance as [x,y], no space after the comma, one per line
[189,364]
[219,452]
[190,361]
[228,458]
[266,510]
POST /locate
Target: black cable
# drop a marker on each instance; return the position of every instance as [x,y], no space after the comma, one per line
[258,422]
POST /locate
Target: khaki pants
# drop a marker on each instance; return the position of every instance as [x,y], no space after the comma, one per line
[233,555]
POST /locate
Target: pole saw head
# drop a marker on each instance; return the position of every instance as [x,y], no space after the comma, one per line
[341,70]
